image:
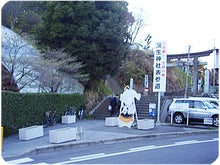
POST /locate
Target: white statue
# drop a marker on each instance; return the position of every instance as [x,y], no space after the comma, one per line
[128,108]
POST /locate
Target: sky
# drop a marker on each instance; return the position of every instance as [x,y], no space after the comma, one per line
[181,23]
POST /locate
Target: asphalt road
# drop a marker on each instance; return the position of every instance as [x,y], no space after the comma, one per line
[190,149]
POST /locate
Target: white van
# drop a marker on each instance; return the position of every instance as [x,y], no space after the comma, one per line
[213,101]
[198,110]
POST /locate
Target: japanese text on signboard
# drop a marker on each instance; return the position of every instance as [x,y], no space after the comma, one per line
[160,65]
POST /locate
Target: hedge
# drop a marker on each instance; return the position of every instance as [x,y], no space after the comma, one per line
[21,110]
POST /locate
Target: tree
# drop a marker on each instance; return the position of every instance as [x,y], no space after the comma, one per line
[18,56]
[8,82]
[22,16]
[136,65]
[58,71]
[148,41]
[93,31]
[136,24]
[10,13]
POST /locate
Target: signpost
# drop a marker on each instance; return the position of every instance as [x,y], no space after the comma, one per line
[160,67]
[131,83]
[146,85]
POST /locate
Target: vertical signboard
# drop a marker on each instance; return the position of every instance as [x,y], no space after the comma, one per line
[160,67]
[146,85]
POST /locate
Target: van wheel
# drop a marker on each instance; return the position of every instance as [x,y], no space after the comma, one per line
[215,121]
[178,118]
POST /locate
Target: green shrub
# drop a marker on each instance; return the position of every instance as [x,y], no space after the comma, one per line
[25,109]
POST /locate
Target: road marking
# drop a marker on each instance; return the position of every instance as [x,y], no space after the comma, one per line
[186,142]
[87,156]
[82,158]
[42,163]
[102,155]
[142,148]
[20,161]
[133,150]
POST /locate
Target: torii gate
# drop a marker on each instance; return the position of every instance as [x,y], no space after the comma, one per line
[195,57]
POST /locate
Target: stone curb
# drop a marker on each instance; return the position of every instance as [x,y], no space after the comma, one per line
[58,147]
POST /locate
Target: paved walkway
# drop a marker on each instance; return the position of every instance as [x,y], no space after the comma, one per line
[95,132]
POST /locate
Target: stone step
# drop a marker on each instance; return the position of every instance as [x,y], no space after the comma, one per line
[142,107]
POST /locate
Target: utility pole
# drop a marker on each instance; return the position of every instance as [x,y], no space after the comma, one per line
[187,72]
[214,53]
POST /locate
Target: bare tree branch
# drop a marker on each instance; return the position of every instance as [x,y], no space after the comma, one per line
[58,70]
[17,57]
[136,26]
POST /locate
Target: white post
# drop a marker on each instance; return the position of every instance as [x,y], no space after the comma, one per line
[81,134]
[171,119]
[131,83]
[187,118]
[158,108]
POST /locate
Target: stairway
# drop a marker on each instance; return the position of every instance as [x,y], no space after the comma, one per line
[142,107]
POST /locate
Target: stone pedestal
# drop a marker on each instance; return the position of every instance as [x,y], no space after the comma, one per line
[68,119]
[145,124]
[62,135]
[31,132]
[111,121]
